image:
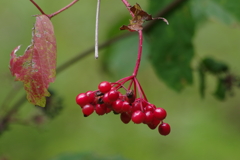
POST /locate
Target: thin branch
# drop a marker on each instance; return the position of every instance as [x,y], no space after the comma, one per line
[83,54]
[5,120]
[96,28]
[128,7]
[38,7]
[63,9]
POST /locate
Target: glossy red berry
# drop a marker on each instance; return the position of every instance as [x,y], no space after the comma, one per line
[150,107]
[91,96]
[106,99]
[148,117]
[160,113]
[125,118]
[126,107]
[138,117]
[113,95]
[136,106]
[164,129]
[100,109]
[108,110]
[117,106]
[154,123]
[82,99]
[87,110]
[104,87]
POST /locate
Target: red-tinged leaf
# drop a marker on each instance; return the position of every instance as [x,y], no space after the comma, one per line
[37,67]
[139,18]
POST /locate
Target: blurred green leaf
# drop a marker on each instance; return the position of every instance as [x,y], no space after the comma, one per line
[213,66]
[85,156]
[119,59]
[202,81]
[172,49]
[226,11]
[54,105]
[220,92]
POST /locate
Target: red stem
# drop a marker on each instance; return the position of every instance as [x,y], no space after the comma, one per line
[128,6]
[135,72]
[140,90]
[140,42]
[39,8]
[63,9]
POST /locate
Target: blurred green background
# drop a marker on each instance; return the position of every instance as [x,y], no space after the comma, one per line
[201,128]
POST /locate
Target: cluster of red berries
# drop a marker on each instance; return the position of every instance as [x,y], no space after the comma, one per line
[107,98]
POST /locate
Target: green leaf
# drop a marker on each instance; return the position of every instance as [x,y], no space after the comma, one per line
[213,66]
[172,48]
[54,105]
[202,81]
[225,11]
[220,92]
[119,59]
[85,156]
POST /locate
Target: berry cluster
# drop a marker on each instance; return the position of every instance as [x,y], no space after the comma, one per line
[108,98]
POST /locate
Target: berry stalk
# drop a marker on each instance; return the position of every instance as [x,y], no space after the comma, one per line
[63,9]
[140,42]
[139,56]
[55,13]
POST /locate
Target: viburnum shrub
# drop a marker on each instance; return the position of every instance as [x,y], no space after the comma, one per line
[131,102]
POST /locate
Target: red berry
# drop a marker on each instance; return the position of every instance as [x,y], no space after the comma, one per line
[154,123]
[87,110]
[164,129]
[108,110]
[100,109]
[136,106]
[104,87]
[150,107]
[125,118]
[160,113]
[122,97]
[117,106]
[106,99]
[113,95]
[148,117]
[126,107]
[82,99]
[91,96]
[138,117]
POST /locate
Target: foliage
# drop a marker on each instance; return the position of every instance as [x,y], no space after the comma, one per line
[177,72]
[37,67]
[85,156]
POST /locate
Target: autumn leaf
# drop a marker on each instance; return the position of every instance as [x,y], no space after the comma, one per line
[138,19]
[37,67]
